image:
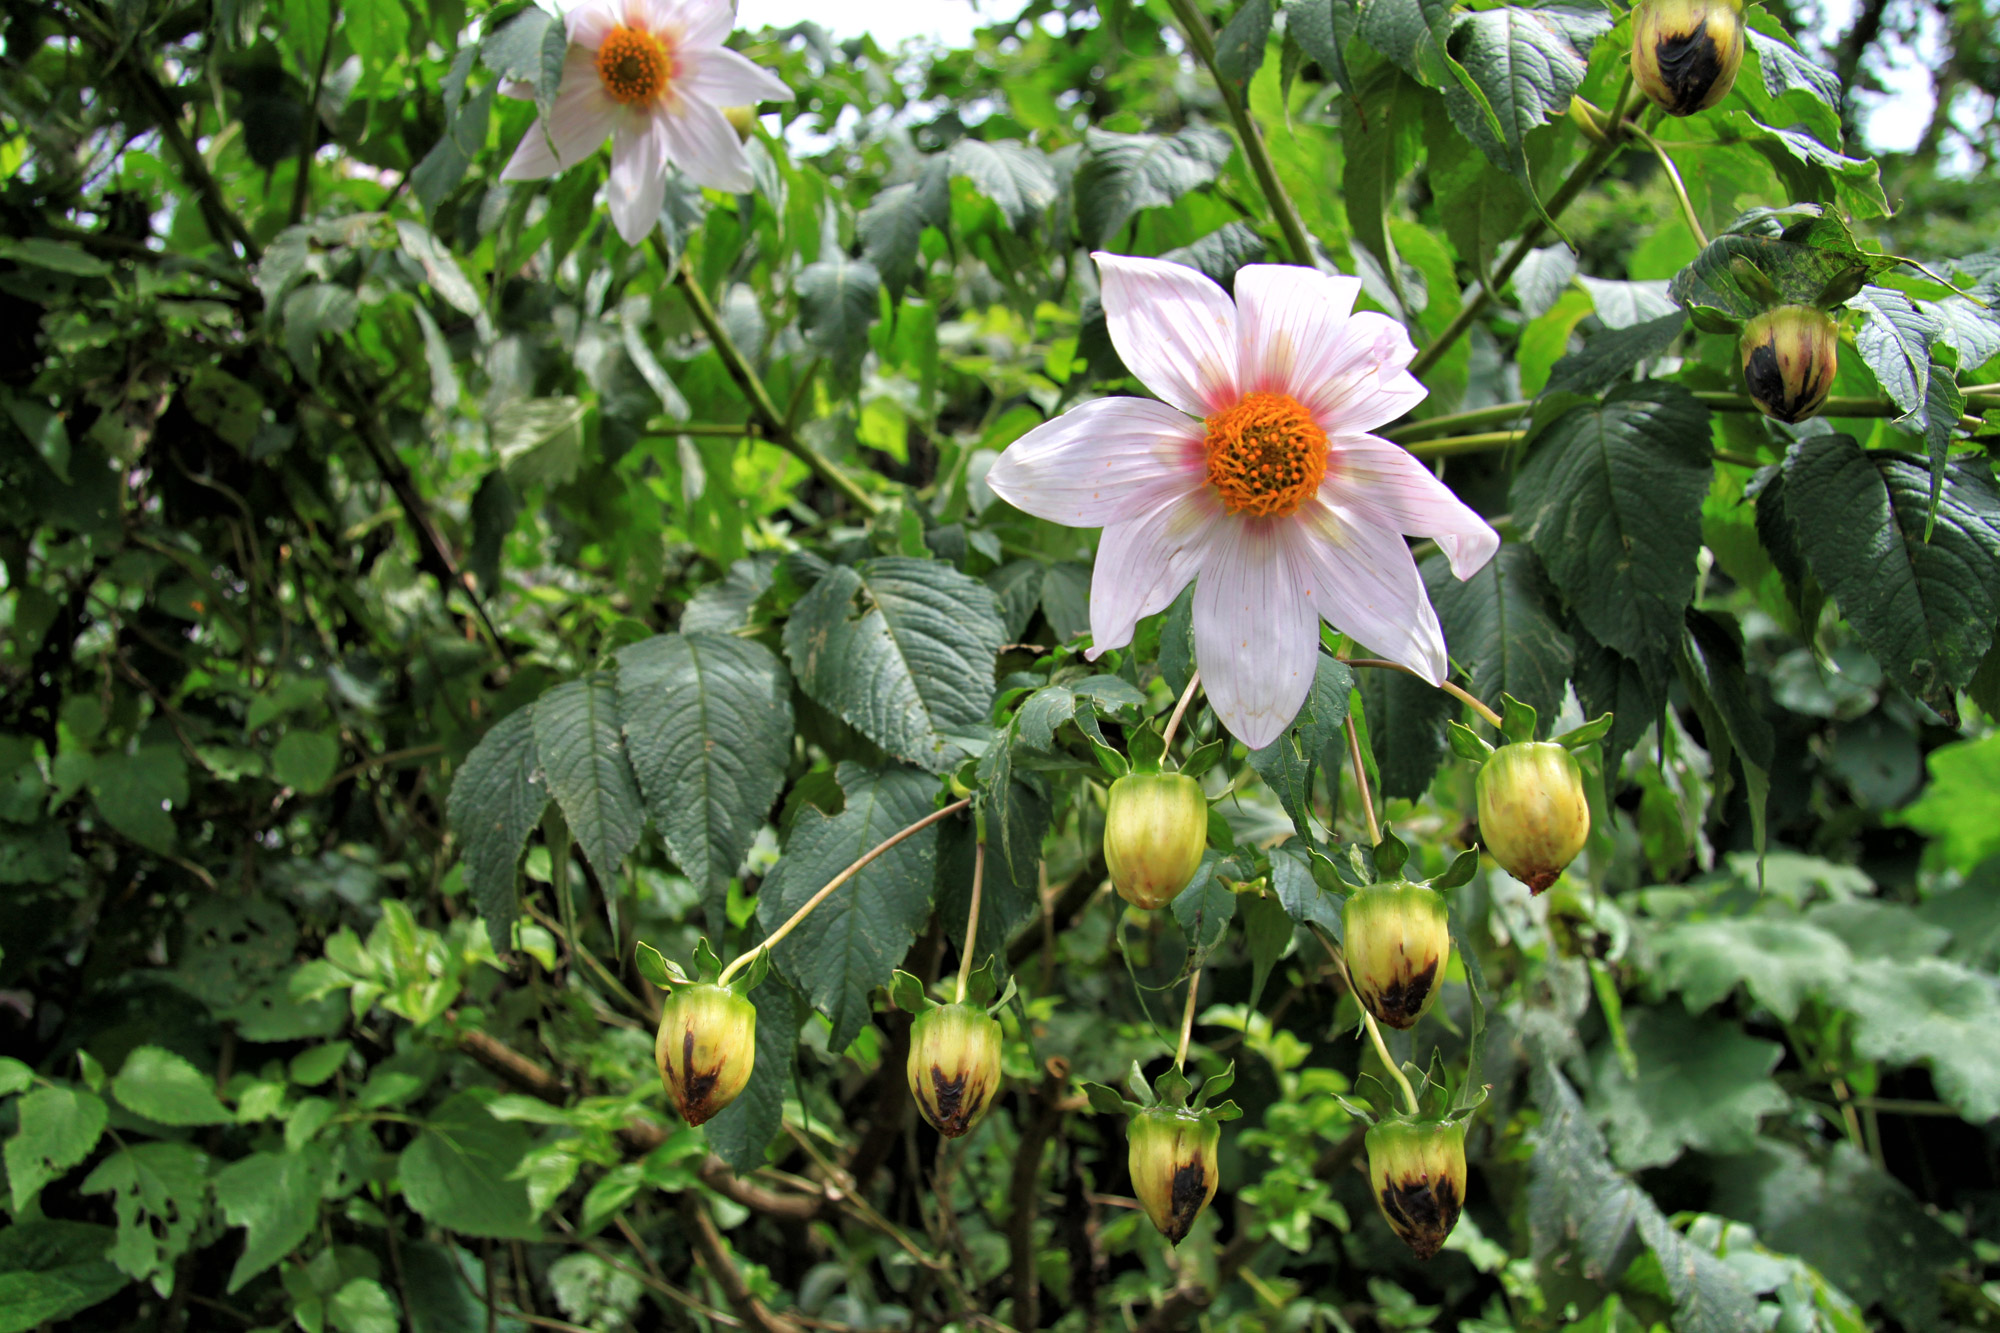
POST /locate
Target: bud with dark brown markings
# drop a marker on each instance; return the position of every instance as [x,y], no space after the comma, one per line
[1173,1164]
[1416,1171]
[1685,53]
[705,1049]
[1398,938]
[1790,356]
[1533,815]
[954,1066]
[1155,830]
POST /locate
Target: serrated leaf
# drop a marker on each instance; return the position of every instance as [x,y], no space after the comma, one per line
[1961,806]
[1288,764]
[1610,498]
[1780,961]
[56,1129]
[159,1194]
[1799,269]
[1239,47]
[1501,624]
[838,299]
[497,799]
[1120,174]
[1016,818]
[1206,906]
[539,441]
[891,228]
[1518,66]
[1223,251]
[902,649]
[1895,340]
[50,1270]
[1322,28]
[275,1197]
[582,748]
[741,1131]
[1015,177]
[1934,1011]
[1406,730]
[459,1172]
[164,1087]
[1299,891]
[1412,33]
[1700,1084]
[1609,357]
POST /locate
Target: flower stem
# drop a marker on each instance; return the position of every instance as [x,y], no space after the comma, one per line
[1382,1049]
[777,936]
[1680,189]
[1715,400]
[1202,41]
[1187,1019]
[1467,444]
[1361,781]
[1174,722]
[1463,696]
[972,917]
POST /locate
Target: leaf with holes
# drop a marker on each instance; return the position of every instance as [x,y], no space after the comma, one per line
[159,1195]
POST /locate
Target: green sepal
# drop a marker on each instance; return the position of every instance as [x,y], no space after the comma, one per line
[1135,1079]
[1461,870]
[1112,762]
[1517,720]
[1205,757]
[1714,319]
[657,968]
[1173,1088]
[907,993]
[982,985]
[1578,738]
[1467,743]
[1359,1107]
[707,963]
[1754,281]
[1326,874]
[1106,1101]
[1844,287]
[1360,871]
[1006,998]
[752,976]
[1216,1086]
[1224,1111]
[1146,747]
[1434,1088]
[1391,855]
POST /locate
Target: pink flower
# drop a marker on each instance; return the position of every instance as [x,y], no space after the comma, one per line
[1256,477]
[653,76]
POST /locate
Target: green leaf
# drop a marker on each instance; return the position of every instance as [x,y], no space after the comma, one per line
[1413,34]
[58,1127]
[136,794]
[1785,67]
[1502,626]
[159,1195]
[1801,262]
[1288,763]
[1610,356]
[1779,960]
[496,801]
[1018,180]
[275,1197]
[363,1305]
[838,299]
[164,1087]
[1406,730]
[582,749]
[901,649]
[1937,1012]
[1701,1084]
[44,431]
[50,1270]
[1206,906]
[1120,174]
[1961,806]
[443,168]
[539,441]
[1299,892]
[1322,28]
[1712,673]
[305,761]
[891,228]
[1610,498]
[458,1173]
[1925,609]
[708,722]
[1526,64]
[853,941]
[1239,47]
[379,31]
[1267,931]
[1895,340]
[742,1130]
[1016,818]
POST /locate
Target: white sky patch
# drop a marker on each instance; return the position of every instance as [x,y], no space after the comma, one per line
[950,22]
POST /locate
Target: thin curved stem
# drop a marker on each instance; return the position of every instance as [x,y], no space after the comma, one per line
[1466,444]
[1395,1072]
[776,937]
[1187,1019]
[1680,189]
[1361,782]
[1174,722]
[1464,696]
[972,917]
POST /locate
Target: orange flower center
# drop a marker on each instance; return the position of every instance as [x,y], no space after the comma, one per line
[635,66]
[1266,455]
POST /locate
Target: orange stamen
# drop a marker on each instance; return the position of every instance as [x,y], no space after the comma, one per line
[1266,455]
[635,66]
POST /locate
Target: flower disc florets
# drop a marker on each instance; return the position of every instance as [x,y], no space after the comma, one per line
[634,66]
[1266,455]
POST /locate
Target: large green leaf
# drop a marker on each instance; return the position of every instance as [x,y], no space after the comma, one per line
[50,1270]
[1288,763]
[1610,498]
[1406,729]
[1526,64]
[1322,29]
[1925,609]
[275,1196]
[1017,819]
[902,649]
[1701,1084]
[496,801]
[1018,180]
[1935,1011]
[742,1130]
[855,939]
[892,226]
[1895,340]
[582,749]
[838,299]
[136,793]
[56,1129]
[708,722]
[458,1174]
[1501,625]
[1123,173]
[1780,960]
[165,1088]
[1961,806]
[159,1194]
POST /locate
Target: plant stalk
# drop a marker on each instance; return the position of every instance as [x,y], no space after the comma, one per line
[972,917]
[1464,696]
[1395,1072]
[1187,1019]
[1361,782]
[1174,722]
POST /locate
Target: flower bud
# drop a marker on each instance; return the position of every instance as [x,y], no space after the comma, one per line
[742,119]
[1532,811]
[1685,52]
[1398,942]
[954,1066]
[706,1046]
[1173,1166]
[1416,1169]
[1155,830]
[1789,356]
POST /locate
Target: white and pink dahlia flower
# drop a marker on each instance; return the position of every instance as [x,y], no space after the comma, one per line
[1256,477]
[652,76]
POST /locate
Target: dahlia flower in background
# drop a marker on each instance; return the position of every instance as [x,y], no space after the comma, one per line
[1256,477]
[653,76]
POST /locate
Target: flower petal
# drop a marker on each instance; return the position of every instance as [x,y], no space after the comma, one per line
[1106,461]
[1256,639]
[702,143]
[581,119]
[1365,473]
[701,23]
[1143,564]
[591,22]
[1175,329]
[638,179]
[1364,582]
[1357,381]
[720,76]
[1289,319]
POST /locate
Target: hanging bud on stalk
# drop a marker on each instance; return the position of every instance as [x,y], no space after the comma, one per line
[1532,812]
[705,1049]
[1685,53]
[1398,938]
[1173,1166]
[954,1066]
[1416,1170]
[1155,830]
[1790,355]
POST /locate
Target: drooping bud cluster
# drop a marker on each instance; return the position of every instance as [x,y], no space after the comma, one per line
[1155,830]
[1685,53]
[1173,1164]
[954,1066]
[1398,938]
[705,1049]
[1790,356]
[1532,812]
[1416,1170]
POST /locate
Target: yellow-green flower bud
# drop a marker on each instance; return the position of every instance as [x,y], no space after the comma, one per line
[1790,355]
[1532,811]
[706,1047]
[1173,1166]
[1416,1169]
[954,1066]
[1155,830]
[1398,940]
[1685,52]
[742,119]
